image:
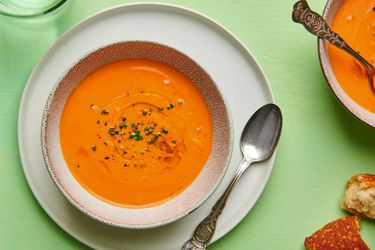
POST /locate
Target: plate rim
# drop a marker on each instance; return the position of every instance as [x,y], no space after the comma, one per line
[179,9]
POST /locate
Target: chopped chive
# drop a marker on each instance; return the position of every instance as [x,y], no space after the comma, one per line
[144,112]
[132,135]
[164,131]
[133,125]
[160,109]
[111,131]
[93,148]
[123,119]
[170,106]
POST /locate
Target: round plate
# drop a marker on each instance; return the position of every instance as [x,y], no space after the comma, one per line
[230,64]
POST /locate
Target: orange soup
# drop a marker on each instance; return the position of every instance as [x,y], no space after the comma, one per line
[136,132]
[355,22]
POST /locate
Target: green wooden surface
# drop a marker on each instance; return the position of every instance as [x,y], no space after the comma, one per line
[321,146]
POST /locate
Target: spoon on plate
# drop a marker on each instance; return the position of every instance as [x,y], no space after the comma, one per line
[316,25]
[258,141]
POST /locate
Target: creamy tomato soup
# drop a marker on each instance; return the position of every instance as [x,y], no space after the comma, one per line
[355,22]
[136,132]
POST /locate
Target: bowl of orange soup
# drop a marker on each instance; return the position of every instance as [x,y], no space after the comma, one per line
[354,21]
[136,134]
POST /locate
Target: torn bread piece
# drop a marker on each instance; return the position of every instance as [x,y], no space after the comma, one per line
[360,195]
[339,234]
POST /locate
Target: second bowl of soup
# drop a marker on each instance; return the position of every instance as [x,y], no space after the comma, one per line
[354,21]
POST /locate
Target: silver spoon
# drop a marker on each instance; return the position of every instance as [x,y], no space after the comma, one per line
[316,25]
[258,141]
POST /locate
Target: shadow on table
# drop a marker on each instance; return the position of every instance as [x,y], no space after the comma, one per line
[358,133]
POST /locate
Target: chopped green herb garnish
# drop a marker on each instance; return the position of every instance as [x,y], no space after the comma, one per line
[133,125]
[144,112]
[164,131]
[132,135]
[123,119]
[160,109]
[146,128]
[139,137]
[170,106]
[111,131]
[137,131]
[93,148]
[121,126]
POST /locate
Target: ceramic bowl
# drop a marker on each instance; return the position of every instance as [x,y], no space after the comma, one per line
[364,115]
[173,209]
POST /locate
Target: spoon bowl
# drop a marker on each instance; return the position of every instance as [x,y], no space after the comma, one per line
[261,133]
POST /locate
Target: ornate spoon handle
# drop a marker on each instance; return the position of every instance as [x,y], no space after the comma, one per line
[316,25]
[206,229]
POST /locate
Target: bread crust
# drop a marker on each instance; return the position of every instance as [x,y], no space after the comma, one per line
[339,234]
[359,196]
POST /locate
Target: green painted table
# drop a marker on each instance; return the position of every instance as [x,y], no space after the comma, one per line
[321,146]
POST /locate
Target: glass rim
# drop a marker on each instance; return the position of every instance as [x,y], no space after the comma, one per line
[39,13]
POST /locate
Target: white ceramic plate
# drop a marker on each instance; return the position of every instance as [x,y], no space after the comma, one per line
[230,64]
